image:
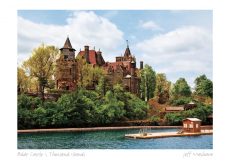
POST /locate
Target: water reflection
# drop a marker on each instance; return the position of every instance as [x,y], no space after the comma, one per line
[110,140]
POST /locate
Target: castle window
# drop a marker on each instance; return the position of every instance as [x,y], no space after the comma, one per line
[65,57]
[70,71]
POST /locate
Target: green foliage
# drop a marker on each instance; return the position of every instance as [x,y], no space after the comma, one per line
[112,109]
[103,86]
[89,75]
[26,106]
[155,119]
[180,101]
[27,102]
[80,109]
[78,106]
[23,80]
[200,112]
[174,118]
[181,88]
[204,86]
[41,65]
[136,108]
[148,83]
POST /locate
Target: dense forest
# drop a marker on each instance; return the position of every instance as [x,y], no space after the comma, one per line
[80,108]
[107,104]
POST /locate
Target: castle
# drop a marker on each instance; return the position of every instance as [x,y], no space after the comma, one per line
[123,70]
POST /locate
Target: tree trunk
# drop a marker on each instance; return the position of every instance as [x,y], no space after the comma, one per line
[41,91]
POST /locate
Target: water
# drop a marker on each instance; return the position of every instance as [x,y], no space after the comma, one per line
[110,140]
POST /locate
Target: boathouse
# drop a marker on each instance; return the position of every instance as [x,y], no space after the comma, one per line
[190,105]
[192,125]
[173,109]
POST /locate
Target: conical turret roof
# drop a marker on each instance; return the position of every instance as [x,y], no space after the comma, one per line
[67,44]
[127,52]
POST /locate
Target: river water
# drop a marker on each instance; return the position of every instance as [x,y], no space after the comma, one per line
[110,140]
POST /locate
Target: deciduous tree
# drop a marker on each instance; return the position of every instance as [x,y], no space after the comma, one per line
[41,65]
[162,88]
[23,80]
[203,86]
[181,89]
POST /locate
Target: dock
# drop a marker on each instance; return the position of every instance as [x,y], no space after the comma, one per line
[167,134]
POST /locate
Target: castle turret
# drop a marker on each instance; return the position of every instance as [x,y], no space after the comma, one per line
[127,50]
[66,68]
[67,50]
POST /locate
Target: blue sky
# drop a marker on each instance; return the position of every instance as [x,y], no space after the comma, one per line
[176,42]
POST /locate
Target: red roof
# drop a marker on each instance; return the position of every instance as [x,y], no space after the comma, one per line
[92,56]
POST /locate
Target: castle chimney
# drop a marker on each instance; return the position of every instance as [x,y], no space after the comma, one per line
[87,54]
[133,67]
[98,57]
[141,64]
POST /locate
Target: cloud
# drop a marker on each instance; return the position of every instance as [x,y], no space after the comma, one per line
[83,28]
[150,25]
[179,52]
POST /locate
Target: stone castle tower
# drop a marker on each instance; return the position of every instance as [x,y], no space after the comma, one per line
[66,68]
[131,82]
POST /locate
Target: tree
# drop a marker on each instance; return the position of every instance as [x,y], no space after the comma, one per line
[203,86]
[78,107]
[41,65]
[148,82]
[89,75]
[162,88]
[103,86]
[181,89]
[112,109]
[22,80]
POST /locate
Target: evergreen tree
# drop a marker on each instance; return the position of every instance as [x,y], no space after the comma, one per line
[148,83]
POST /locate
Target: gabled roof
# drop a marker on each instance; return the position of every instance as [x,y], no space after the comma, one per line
[92,56]
[192,119]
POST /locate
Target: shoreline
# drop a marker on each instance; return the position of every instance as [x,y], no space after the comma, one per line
[97,129]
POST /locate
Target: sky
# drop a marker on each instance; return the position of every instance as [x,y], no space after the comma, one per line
[175,42]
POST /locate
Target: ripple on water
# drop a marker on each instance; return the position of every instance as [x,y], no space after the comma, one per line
[110,140]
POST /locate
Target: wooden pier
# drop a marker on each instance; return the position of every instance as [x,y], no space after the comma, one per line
[167,134]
